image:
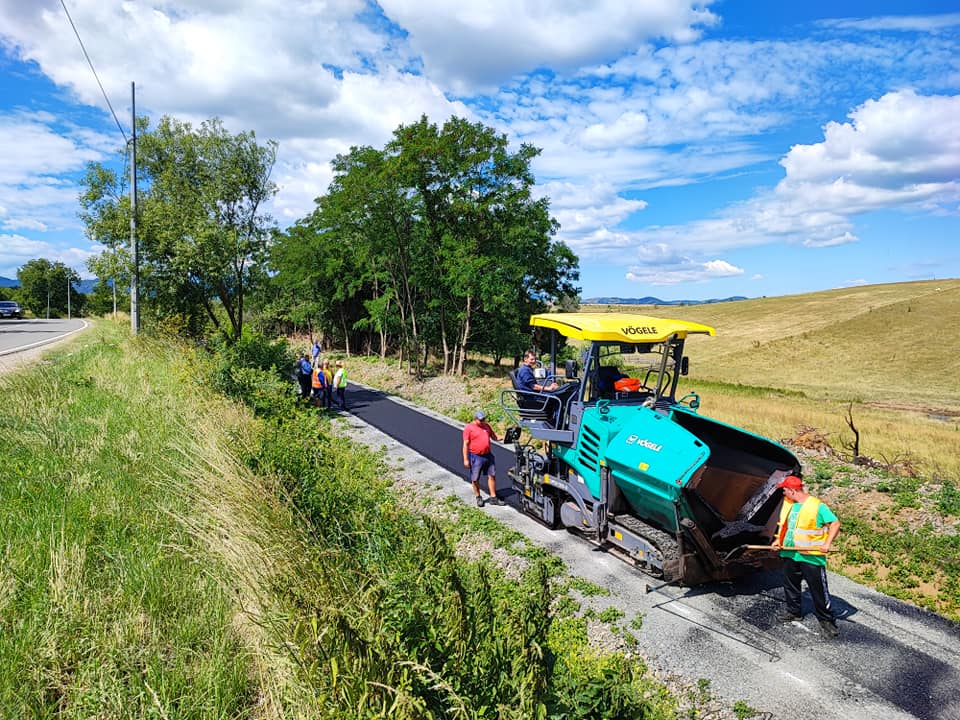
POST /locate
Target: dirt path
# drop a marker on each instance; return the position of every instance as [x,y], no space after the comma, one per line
[934,412]
[10,362]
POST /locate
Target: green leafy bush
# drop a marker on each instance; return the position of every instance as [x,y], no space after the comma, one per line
[390,622]
[256,370]
[395,624]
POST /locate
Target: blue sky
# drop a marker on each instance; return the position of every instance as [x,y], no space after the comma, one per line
[690,150]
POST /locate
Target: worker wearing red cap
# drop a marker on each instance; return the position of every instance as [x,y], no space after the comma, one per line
[806,531]
[478,456]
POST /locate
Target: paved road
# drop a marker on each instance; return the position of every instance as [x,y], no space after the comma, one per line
[19,335]
[892,661]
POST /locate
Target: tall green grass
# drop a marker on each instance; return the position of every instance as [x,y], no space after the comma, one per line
[391,623]
[104,611]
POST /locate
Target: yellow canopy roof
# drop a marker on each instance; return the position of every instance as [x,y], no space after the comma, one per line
[617,327]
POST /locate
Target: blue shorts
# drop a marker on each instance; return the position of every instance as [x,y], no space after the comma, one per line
[481,465]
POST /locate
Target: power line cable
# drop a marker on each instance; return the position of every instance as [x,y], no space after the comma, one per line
[93,70]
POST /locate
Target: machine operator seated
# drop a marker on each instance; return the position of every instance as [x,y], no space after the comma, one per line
[527,381]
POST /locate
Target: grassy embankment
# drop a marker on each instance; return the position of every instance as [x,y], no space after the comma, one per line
[888,353]
[104,611]
[168,555]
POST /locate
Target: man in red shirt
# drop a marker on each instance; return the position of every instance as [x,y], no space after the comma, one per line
[478,457]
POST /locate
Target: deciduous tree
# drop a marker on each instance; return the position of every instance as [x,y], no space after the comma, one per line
[112,268]
[202,227]
[448,249]
[44,286]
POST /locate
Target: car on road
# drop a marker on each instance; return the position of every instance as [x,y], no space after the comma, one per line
[10,309]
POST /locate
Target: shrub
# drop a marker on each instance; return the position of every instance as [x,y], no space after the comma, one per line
[392,618]
[390,622]
[256,370]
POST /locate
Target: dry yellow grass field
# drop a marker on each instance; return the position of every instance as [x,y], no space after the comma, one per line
[890,353]
[880,342]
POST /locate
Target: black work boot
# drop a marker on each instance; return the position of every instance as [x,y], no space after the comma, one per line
[785,616]
[829,629]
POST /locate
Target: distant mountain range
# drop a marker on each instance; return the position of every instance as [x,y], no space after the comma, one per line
[649,300]
[85,287]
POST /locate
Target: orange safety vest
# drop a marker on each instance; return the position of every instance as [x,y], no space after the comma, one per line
[806,535]
[316,379]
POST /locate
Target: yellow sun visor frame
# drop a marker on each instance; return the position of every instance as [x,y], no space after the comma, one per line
[618,327]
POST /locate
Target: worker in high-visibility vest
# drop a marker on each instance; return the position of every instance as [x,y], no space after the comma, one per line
[805,533]
[319,385]
[328,376]
[340,384]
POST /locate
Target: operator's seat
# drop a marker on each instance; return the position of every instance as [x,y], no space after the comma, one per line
[607,375]
[533,405]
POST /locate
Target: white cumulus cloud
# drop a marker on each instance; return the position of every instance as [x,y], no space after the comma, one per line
[901,151]
[466,45]
[37,151]
[898,142]
[682,270]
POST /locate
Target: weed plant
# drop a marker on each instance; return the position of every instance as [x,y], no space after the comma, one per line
[911,563]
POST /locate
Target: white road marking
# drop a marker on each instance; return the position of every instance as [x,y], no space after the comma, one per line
[21,348]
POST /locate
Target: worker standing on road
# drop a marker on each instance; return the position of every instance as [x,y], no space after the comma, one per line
[806,531]
[304,371]
[328,387]
[478,456]
[340,384]
[319,385]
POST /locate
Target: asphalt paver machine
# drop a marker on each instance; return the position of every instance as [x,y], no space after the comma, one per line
[614,456]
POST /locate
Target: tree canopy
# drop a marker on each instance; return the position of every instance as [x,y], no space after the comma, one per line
[202,228]
[44,286]
[432,244]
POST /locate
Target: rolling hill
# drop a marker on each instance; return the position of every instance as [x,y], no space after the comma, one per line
[896,343]
[650,300]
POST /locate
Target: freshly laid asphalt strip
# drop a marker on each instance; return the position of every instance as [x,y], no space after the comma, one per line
[893,660]
[437,440]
